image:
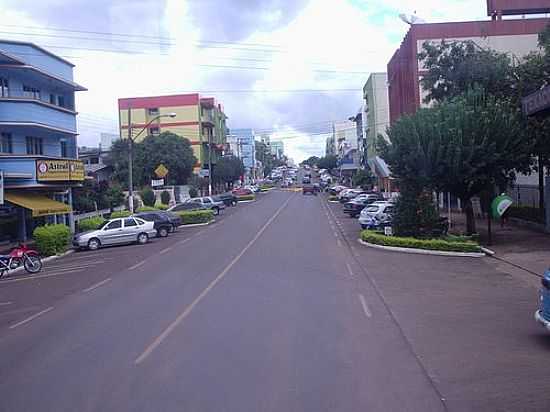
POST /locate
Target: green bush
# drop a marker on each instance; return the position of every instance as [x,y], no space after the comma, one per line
[52,239]
[91,223]
[193,192]
[148,197]
[160,206]
[531,214]
[165,197]
[196,216]
[428,244]
[147,209]
[245,197]
[121,213]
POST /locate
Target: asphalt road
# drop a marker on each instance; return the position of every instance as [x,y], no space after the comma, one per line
[273,308]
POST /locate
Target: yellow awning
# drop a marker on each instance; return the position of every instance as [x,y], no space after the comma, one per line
[40,205]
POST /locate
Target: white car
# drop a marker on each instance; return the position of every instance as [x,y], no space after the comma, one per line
[377,210]
[116,231]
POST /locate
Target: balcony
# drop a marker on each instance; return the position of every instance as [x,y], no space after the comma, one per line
[33,112]
[207,119]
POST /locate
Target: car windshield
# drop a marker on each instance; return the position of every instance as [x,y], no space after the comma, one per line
[372,209]
[102,224]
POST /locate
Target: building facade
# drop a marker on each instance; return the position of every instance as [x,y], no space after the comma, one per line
[244,146]
[345,136]
[515,37]
[38,138]
[277,149]
[200,120]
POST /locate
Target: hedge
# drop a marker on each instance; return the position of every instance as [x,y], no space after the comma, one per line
[428,244]
[531,214]
[121,213]
[333,198]
[196,216]
[91,223]
[52,239]
[245,197]
[160,206]
[147,209]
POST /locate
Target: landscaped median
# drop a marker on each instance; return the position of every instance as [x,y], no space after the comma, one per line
[446,246]
[196,217]
[246,198]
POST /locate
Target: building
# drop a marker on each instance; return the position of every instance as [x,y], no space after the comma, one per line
[107,140]
[38,138]
[277,149]
[377,115]
[200,120]
[244,146]
[516,37]
[345,136]
[330,145]
[96,165]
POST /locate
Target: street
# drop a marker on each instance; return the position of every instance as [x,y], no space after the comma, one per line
[275,307]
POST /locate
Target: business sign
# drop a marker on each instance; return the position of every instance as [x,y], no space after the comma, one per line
[204,173]
[157,182]
[536,102]
[59,170]
[1,187]
[161,171]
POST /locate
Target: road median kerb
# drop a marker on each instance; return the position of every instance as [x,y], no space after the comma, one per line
[422,251]
[198,224]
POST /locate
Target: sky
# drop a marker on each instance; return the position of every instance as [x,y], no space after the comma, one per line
[287,68]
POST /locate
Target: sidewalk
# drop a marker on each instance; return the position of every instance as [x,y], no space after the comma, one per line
[519,246]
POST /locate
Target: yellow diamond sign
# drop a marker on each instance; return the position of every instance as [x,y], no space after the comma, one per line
[161,171]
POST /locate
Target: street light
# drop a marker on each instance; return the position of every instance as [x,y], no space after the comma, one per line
[131,155]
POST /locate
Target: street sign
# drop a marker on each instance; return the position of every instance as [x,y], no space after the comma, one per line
[1,187]
[157,182]
[161,171]
[204,172]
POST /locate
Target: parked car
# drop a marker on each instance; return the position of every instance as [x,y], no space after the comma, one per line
[228,199]
[116,231]
[334,190]
[187,207]
[306,180]
[355,206]
[350,194]
[209,203]
[309,189]
[542,315]
[241,191]
[162,222]
[380,211]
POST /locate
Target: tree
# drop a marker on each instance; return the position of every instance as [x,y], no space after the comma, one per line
[328,162]
[165,197]
[464,146]
[114,196]
[148,197]
[263,154]
[311,161]
[453,68]
[228,170]
[363,178]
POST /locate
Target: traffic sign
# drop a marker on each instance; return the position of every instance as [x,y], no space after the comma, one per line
[204,172]
[161,171]
[157,182]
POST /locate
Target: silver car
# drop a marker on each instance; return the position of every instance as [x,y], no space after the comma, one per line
[116,231]
[209,203]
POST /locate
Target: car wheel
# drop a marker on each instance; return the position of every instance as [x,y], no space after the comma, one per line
[94,244]
[364,227]
[142,238]
[162,232]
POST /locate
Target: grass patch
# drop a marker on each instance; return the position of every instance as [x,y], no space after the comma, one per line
[120,213]
[245,197]
[443,244]
[194,217]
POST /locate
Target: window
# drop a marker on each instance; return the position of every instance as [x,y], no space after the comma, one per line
[31,92]
[139,221]
[115,224]
[61,101]
[52,98]
[4,90]
[206,200]
[153,111]
[154,131]
[6,143]
[34,145]
[129,222]
[63,144]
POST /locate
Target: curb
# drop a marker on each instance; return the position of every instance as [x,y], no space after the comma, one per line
[198,224]
[333,201]
[422,251]
[487,251]
[45,260]
[245,201]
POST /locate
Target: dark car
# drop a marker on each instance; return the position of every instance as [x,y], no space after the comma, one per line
[228,199]
[306,180]
[309,189]
[161,222]
[354,207]
[186,207]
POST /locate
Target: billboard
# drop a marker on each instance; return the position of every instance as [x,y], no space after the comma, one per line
[517,7]
[59,170]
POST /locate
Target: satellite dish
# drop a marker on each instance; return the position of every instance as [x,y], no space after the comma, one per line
[411,19]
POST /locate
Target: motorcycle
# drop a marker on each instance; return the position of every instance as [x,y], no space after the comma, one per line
[21,255]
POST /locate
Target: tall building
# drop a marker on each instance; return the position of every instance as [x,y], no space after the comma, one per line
[277,149]
[107,140]
[515,37]
[200,120]
[38,138]
[243,141]
[345,136]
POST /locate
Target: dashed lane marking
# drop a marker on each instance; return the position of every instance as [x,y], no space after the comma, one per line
[15,325]
[163,251]
[368,314]
[34,277]
[5,303]
[137,265]
[98,284]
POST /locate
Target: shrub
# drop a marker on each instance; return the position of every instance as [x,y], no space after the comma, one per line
[196,216]
[147,209]
[165,197]
[415,213]
[531,214]
[148,197]
[91,223]
[333,198]
[245,197]
[193,192]
[160,206]
[52,239]
[428,244]
[121,213]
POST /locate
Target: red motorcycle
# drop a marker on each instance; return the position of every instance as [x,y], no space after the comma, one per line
[21,255]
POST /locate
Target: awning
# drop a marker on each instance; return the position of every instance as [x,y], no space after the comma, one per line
[40,205]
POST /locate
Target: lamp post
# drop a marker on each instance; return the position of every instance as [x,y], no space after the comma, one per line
[131,154]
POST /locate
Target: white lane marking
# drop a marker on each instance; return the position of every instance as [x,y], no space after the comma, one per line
[137,265]
[69,267]
[31,318]
[365,306]
[163,251]
[181,242]
[338,242]
[39,276]
[349,269]
[5,303]
[98,284]
[201,296]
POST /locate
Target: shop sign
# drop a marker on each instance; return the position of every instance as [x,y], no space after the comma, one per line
[76,170]
[59,170]
[536,102]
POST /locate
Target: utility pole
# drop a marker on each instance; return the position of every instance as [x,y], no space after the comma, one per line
[210,163]
[130,162]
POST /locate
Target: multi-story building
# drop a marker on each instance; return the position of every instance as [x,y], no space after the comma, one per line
[244,144]
[330,145]
[345,136]
[512,36]
[277,149]
[96,165]
[38,145]
[200,120]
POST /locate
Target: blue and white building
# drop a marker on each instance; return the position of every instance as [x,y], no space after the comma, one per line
[244,143]
[38,138]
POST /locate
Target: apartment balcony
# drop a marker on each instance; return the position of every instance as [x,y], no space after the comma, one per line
[21,111]
[207,119]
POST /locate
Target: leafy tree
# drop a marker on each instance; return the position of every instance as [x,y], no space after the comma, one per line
[363,178]
[228,169]
[193,192]
[165,197]
[114,196]
[263,154]
[148,197]
[328,162]
[415,213]
[311,161]
[118,159]
[456,67]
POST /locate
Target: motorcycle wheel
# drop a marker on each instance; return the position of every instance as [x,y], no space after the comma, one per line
[32,264]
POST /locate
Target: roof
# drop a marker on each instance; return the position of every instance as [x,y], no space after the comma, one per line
[94,168]
[158,101]
[26,43]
